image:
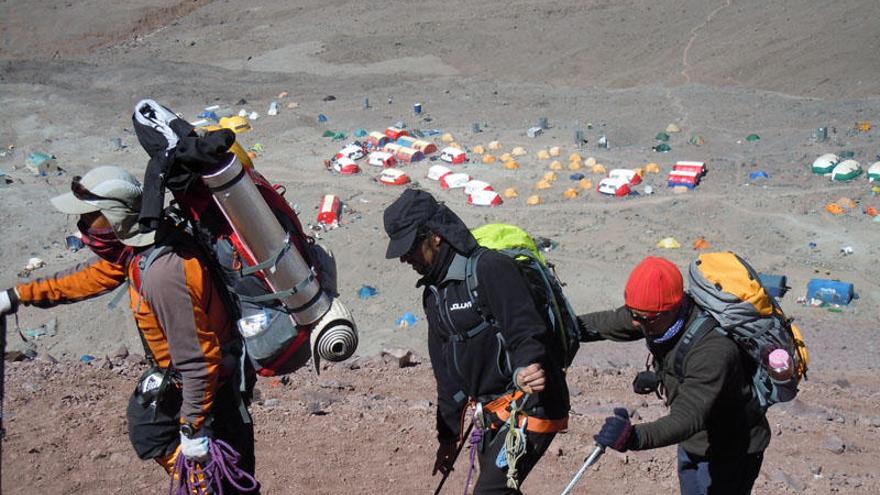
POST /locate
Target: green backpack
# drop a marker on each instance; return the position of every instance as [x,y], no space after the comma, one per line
[540,276]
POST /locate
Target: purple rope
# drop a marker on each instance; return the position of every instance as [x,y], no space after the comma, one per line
[476,437]
[193,479]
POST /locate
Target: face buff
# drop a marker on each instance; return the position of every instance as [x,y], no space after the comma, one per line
[659,344]
[104,243]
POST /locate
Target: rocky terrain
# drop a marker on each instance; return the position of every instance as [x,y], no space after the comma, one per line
[719,71]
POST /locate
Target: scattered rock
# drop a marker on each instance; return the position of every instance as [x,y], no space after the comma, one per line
[337,385]
[788,481]
[135,359]
[834,444]
[315,409]
[421,405]
[399,356]
[48,358]
[120,353]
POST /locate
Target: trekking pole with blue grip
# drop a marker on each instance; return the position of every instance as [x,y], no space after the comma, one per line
[597,452]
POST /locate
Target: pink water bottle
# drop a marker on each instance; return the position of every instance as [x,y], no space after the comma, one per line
[780,365]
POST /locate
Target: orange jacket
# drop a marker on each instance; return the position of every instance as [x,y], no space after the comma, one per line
[180,314]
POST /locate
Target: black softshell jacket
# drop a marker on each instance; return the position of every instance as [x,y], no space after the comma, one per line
[710,407]
[482,367]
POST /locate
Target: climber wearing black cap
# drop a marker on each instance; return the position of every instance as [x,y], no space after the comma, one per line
[498,367]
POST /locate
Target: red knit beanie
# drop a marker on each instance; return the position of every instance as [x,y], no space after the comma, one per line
[654,285]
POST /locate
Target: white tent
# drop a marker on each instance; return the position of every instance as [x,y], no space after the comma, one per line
[825,164]
[874,172]
[846,170]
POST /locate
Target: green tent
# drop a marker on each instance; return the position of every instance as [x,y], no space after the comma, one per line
[752,138]
[662,136]
[825,164]
[874,172]
[846,170]
[662,148]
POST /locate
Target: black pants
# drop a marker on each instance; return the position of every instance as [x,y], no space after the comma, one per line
[718,475]
[154,431]
[229,426]
[493,480]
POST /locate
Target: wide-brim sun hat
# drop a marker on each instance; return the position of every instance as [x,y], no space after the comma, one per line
[116,194]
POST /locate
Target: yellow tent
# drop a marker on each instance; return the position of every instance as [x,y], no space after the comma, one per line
[599,169]
[554,151]
[673,128]
[550,176]
[533,200]
[570,193]
[543,184]
[668,243]
[511,165]
[590,162]
[652,168]
[505,157]
[585,184]
[555,165]
[575,156]
[487,159]
[510,193]
[494,145]
[518,151]
[478,149]
[543,155]
[574,165]
[447,138]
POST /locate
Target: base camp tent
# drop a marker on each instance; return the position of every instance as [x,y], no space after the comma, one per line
[425,147]
[825,164]
[846,170]
[874,172]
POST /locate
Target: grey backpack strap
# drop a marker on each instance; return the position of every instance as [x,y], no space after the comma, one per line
[695,332]
[472,282]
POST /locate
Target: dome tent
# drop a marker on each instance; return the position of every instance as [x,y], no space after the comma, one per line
[825,164]
[846,170]
[874,172]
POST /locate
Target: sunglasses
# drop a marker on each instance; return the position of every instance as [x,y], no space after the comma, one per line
[415,246]
[646,319]
[81,193]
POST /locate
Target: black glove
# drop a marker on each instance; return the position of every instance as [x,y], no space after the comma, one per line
[646,382]
[617,432]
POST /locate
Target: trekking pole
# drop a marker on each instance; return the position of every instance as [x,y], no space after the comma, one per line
[457,452]
[597,452]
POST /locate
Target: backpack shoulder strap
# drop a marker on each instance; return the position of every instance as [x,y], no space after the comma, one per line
[695,332]
[472,282]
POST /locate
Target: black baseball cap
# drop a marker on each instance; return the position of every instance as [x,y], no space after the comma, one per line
[403,218]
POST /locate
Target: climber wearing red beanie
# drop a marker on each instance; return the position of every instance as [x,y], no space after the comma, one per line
[721,439]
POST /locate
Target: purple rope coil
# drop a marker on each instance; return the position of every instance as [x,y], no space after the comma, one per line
[475,439]
[193,479]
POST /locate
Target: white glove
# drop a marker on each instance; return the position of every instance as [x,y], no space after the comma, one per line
[6,304]
[195,449]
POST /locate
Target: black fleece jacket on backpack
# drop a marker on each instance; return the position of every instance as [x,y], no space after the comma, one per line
[482,367]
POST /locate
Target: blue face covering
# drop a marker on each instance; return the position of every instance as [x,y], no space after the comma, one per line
[674,329]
